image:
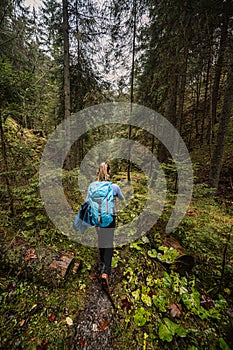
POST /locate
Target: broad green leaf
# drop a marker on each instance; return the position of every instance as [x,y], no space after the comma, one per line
[135,246]
[223,344]
[26,214]
[140,317]
[136,294]
[164,333]
[150,280]
[175,328]
[152,253]
[181,331]
[167,280]
[163,248]
[115,262]
[41,218]
[169,255]
[146,299]
[171,325]
[160,301]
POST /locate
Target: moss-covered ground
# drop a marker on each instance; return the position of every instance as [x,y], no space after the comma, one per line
[162,302]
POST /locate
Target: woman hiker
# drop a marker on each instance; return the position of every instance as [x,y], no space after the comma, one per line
[106,237]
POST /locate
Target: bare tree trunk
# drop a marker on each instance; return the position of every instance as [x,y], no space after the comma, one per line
[198,90]
[152,150]
[132,82]
[205,101]
[182,91]
[66,59]
[219,64]
[6,167]
[216,161]
[66,75]
[75,156]
[209,133]
[163,153]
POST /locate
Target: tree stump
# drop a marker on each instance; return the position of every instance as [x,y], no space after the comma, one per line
[184,262]
[38,263]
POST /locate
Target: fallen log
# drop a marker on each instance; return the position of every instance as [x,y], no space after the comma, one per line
[183,262]
[37,263]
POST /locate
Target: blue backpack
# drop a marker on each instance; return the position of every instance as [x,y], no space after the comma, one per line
[83,219]
[102,203]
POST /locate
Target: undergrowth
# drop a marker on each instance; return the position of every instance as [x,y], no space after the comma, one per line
[163,302]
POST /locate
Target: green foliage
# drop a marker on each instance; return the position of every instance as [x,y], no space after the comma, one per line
[166,305]
[140,317]
[160,305]
[202,190]
[158,308]
[168,329]
[169,255]
[223,345]
[205,231]
[9,89]
[33,313]
[34,310]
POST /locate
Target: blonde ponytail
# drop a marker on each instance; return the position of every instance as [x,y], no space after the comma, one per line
[104,172]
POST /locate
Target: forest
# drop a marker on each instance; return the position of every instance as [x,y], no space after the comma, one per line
[132,83]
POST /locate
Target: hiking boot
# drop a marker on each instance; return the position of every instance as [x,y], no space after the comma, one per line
[104,281]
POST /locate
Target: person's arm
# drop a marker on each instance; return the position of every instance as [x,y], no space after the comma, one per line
[117,192]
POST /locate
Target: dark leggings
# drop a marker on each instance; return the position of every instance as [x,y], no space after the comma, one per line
[105,241]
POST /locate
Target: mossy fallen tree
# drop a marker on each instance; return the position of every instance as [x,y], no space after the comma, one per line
[181,261]
[168,253]
[40,263]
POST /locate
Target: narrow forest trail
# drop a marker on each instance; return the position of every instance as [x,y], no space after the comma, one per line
[94,325]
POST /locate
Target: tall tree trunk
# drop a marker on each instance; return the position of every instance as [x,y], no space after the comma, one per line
[170,114]
[197,107]
[6,167]
[66,77]
[66,58]
[76,156]
[132,82]
[182,90]
[209,133]
[216,161]
[219,64]
[205,100]
[152,152]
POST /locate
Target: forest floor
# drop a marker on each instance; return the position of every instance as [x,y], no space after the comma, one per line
[161,303]
[93,328]
[157,307]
